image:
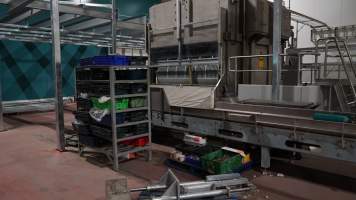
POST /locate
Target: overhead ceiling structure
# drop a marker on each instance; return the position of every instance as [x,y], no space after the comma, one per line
[80,24]
[67,22]
[306,20]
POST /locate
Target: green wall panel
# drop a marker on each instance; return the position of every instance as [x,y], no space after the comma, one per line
[27,72]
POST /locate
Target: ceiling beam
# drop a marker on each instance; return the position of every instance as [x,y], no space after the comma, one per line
[88,11]
[89,24]
[62,19]
[16,8]
[23,16]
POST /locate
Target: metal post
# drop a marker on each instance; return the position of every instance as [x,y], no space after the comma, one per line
[300,58]
[265,157]
[2,126]
[277,62]
[149,112]
[56,53]
[178,20]
[114,16]
[113,116]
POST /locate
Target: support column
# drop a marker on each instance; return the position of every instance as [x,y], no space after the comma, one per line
[2,125]
[277,62]
[56,53]
[265,157]
[114,16]
[179,29]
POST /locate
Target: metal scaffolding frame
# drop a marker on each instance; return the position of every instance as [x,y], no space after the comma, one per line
[90,27]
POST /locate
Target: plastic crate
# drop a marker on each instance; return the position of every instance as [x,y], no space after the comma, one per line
[106,132]
[105,60]
[140,129]
[122,89]
[92,141]
[82,116]
[193,161]
[82,129]
[84,88]
[140,74]
[138,88]
[100,74]
[137,102]
[121,104]
[101,131]
[140,142]
[83,75]
[120,119]
[138,116]
[221,162]
[100,89]
[83,104]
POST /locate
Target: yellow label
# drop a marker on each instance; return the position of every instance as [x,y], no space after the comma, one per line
[261,63]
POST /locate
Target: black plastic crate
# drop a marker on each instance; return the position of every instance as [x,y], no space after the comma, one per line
[122,89]
[140,129]
[82,116]
[82,129]
[138,116]
[101,89]
[84,88]
[92,141]
[83,75]
[100,74]
[83,104]
[120,119]
[131,74]
[107,132]
[138,88]
[101,131]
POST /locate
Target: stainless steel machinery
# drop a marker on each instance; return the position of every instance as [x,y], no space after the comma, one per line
[211,69]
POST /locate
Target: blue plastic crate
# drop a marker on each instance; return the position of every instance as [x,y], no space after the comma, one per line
[105,60]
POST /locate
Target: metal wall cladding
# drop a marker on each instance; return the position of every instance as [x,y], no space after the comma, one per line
[260,19]
[258,16]
[199,21]
[188,75]
[27,73]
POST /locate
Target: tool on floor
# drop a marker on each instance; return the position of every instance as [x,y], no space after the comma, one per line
[170,188]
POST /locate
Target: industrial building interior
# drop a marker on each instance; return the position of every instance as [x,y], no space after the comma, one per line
[177,99]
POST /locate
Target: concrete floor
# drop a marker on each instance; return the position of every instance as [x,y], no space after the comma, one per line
[31,168]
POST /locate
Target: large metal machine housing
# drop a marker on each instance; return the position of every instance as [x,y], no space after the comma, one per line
[205,81]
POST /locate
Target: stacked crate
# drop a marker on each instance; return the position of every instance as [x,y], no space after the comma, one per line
[127,87]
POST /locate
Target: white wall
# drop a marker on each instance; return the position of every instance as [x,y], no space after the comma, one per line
[332,12]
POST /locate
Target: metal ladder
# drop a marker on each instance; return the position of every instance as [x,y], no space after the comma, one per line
[345,92]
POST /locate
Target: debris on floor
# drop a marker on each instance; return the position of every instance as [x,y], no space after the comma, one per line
[227,186]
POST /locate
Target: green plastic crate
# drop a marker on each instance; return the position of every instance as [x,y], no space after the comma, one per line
[137,102]
[221,162]
[121,104]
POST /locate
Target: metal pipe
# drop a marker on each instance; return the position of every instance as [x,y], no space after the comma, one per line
[56,52]
[277,62]
[204,194]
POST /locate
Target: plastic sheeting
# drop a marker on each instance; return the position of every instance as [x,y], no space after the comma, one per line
[189,96]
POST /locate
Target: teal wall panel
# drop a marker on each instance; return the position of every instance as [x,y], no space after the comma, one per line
[26,68]
[27,72]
